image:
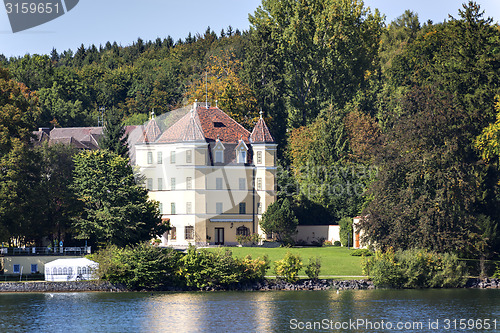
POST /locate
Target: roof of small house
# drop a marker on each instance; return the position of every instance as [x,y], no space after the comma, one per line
[87,136]
[71,262]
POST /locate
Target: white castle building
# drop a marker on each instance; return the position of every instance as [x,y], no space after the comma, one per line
[212,177]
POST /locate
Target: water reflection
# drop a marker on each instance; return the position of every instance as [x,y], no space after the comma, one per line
[237,311]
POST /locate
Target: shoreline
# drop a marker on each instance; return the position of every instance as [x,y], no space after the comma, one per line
[265,285]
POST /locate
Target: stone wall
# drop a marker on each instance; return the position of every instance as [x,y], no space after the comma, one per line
[76,286]
[483,283]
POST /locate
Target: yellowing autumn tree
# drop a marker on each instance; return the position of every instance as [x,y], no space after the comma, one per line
[220,82]
[488,142]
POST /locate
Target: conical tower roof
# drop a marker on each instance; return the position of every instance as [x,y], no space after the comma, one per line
[151,131]
[260,133]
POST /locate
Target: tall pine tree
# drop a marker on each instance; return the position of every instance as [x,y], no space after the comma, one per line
[114,138]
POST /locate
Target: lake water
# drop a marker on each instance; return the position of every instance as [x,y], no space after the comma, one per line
[280,311]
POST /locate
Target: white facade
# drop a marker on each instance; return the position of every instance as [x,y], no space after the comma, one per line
[210,190]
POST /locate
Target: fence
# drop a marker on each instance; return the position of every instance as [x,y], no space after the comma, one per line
[45,251]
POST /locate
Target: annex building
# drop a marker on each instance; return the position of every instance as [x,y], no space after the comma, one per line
[212,177]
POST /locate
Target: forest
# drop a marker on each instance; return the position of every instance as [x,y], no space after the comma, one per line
[398,122]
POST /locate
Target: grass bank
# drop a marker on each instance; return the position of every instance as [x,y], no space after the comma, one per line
[335,261]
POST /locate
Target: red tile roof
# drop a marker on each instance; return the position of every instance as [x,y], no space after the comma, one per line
[205,124]
[261,134]
[151,131]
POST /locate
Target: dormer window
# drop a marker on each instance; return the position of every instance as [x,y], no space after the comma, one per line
[241,152]
[219,156]
[242,156]
[219,151]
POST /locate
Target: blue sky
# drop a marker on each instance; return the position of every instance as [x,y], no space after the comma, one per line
[96,22]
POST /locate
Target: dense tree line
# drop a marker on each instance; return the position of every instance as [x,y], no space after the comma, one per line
[395,122]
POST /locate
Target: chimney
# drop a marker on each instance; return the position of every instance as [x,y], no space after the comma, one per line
[45,130]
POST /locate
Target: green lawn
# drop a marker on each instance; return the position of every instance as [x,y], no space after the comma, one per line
[335,261]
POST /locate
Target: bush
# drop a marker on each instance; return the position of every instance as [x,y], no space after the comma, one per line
[252,239]
[497,272]
[327,243]
[337,243]
[202,269]
[140,267]
[415,269]
[451,273]
[313,268]
[384,270]
[288,268]
[361,253]
[319,242]
[346,231]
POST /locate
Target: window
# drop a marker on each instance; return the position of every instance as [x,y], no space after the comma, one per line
[218,183]
[243,184]
[172,184]
[259,208]
[160,184]
[242,156]
[160,207]
[189,232]
[34,268]
[189,183]
[150,157]
[17,268]
[218,207]
[189,206]
[189,156]
[259,184]
[173,233]
[219,156]
[172,157]
[243,208]
[149,184]
[259,157]
[159,157]
[243,231]
[172,208]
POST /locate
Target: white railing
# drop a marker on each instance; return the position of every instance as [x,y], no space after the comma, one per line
[26,251]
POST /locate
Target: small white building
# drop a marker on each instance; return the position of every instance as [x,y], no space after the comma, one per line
[310,234]
[70,269]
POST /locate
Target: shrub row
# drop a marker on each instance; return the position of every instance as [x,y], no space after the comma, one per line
[150,267]
[415,269]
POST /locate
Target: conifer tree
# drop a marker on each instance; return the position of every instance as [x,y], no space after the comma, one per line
[114,138]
